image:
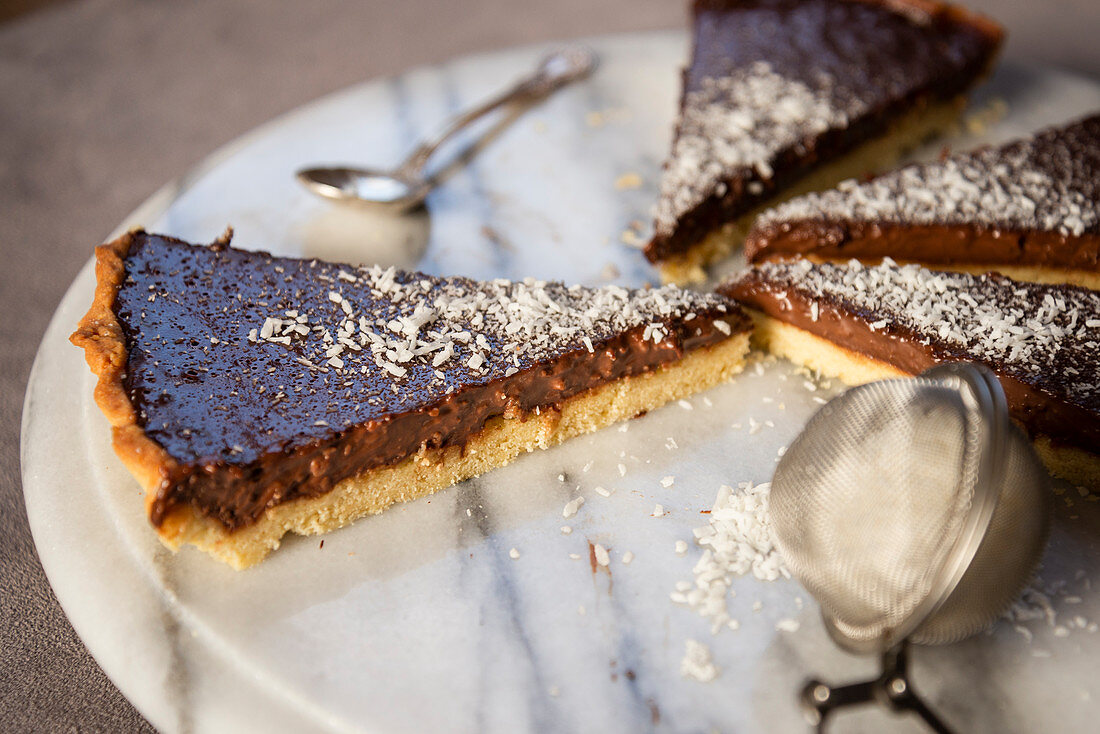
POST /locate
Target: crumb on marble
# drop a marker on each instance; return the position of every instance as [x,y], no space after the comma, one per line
[629,180]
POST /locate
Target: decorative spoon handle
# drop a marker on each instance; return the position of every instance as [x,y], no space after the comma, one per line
[553,72]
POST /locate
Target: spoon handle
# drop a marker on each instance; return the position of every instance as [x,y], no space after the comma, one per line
[553,72]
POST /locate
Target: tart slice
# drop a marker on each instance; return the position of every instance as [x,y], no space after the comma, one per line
[862,323]
[788,96]
[253,395]
[1029,209]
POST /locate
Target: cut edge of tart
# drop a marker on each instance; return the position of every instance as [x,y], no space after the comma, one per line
[497,441]
[808,123]
[786,316]
[1029,209]
[500,442]
[913,130]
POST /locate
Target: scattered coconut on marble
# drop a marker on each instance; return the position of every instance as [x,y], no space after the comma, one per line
[697,663]
[736,540]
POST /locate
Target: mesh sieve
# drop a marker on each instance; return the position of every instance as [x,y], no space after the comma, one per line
[911,509]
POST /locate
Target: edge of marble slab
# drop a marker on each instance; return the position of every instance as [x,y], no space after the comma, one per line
[57,330]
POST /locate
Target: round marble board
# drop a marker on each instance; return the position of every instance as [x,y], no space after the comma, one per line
[420,619]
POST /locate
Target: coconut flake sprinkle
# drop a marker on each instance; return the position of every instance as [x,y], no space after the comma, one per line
[737,125]
[1037,333]
[401,321]
[1049,182]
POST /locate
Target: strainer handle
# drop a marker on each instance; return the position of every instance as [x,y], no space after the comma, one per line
[891,689]
[820,699]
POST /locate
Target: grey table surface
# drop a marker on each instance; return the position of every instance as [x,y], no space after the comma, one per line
[106,100]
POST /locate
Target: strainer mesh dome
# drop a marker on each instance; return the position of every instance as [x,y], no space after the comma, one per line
[868,502]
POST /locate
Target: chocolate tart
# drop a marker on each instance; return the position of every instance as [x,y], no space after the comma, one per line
[788,96]
[861,323]
[253,395]
[1029,209]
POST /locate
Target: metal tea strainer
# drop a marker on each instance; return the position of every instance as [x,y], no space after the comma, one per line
[914,511]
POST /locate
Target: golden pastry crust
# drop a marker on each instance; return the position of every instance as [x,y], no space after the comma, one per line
[1075,465]
[100,335]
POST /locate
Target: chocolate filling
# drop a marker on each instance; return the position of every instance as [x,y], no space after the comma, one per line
[249,425]
[946,245]
[1039,409]
[238,494]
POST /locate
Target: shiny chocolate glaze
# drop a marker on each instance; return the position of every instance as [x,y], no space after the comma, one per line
[874,61]
[1040,402]
[251,422]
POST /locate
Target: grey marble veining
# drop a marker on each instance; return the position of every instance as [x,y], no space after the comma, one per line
[419,619]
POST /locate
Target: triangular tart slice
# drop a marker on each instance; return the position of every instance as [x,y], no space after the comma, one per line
[788,96]
[862,323]
[1029,209]
[253,395]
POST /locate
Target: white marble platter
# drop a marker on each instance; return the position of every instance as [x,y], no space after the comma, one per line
[419,620]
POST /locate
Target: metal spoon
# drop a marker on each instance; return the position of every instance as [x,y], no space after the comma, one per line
[406,187]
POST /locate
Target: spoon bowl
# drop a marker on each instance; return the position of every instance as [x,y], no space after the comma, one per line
[379,189]
[406,187]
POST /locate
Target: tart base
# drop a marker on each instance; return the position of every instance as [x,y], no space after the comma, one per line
[817,353]
[913,129]
[501,441]
[1072,464]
